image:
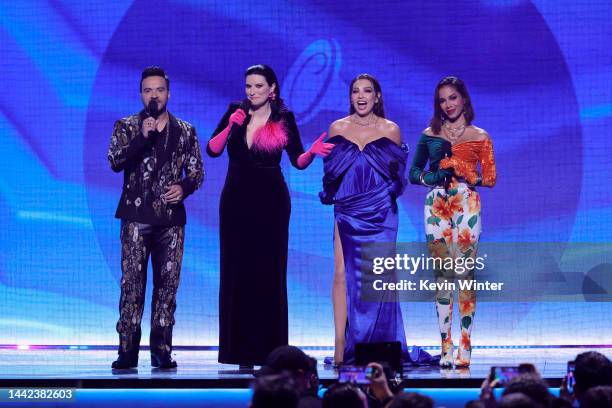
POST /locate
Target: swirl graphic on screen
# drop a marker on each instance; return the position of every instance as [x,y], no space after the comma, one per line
[313,83]
[408,52]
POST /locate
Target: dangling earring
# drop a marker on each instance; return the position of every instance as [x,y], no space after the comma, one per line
[272,96]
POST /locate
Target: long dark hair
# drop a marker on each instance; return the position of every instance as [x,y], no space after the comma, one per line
[277,105]
[379,108]
[439,116]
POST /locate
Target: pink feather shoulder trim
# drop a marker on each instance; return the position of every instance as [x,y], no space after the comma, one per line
[270,137]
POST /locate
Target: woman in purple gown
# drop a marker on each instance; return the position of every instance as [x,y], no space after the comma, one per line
[364,174]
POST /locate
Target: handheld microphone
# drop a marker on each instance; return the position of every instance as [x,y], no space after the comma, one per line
[154,113]
[396,183]
[152,110]
[245,105]
[393,169]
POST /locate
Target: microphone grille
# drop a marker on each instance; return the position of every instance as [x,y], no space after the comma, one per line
[245,105]
[152,109]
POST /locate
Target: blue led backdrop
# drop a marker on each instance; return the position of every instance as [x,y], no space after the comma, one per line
[539,73]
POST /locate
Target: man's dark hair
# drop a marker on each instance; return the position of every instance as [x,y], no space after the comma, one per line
[154,71]
[293,360]
[597,397]
[275,390]
[532,385]
[288,358]
[342,395]
[592,369]
[517,400]
[411,400]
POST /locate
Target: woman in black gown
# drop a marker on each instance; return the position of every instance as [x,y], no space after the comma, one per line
[254,218]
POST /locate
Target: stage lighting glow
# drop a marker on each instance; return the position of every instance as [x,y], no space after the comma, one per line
[537,83]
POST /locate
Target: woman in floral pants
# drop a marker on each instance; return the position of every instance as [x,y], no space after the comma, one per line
[454,148]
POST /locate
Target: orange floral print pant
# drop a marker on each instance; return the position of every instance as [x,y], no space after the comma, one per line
[452,225]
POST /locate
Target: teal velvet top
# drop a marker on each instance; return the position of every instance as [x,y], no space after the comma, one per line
[432,149]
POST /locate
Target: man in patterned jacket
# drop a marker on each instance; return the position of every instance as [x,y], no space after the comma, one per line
[160,158]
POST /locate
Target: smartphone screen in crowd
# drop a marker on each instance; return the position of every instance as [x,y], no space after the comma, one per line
[571,380]
[355,374]
[504,374]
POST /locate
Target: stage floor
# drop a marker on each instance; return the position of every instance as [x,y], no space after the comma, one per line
[200,369]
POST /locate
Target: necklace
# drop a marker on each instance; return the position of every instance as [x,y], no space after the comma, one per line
[453,133]
[166,130]
[367,122]
[167,135]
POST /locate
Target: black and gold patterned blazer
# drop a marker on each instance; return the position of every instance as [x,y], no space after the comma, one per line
[151,164]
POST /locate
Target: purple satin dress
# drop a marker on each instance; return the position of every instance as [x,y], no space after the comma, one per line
[363,186]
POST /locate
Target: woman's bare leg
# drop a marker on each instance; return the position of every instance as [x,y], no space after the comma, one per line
[339,298]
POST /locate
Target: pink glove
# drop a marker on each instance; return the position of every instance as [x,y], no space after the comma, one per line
[217,143]
[320,148]
[237,117]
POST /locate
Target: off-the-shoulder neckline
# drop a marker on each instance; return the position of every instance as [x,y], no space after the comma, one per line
[366,145]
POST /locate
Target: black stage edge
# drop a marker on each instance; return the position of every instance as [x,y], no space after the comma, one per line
[141,383]
[88,367]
